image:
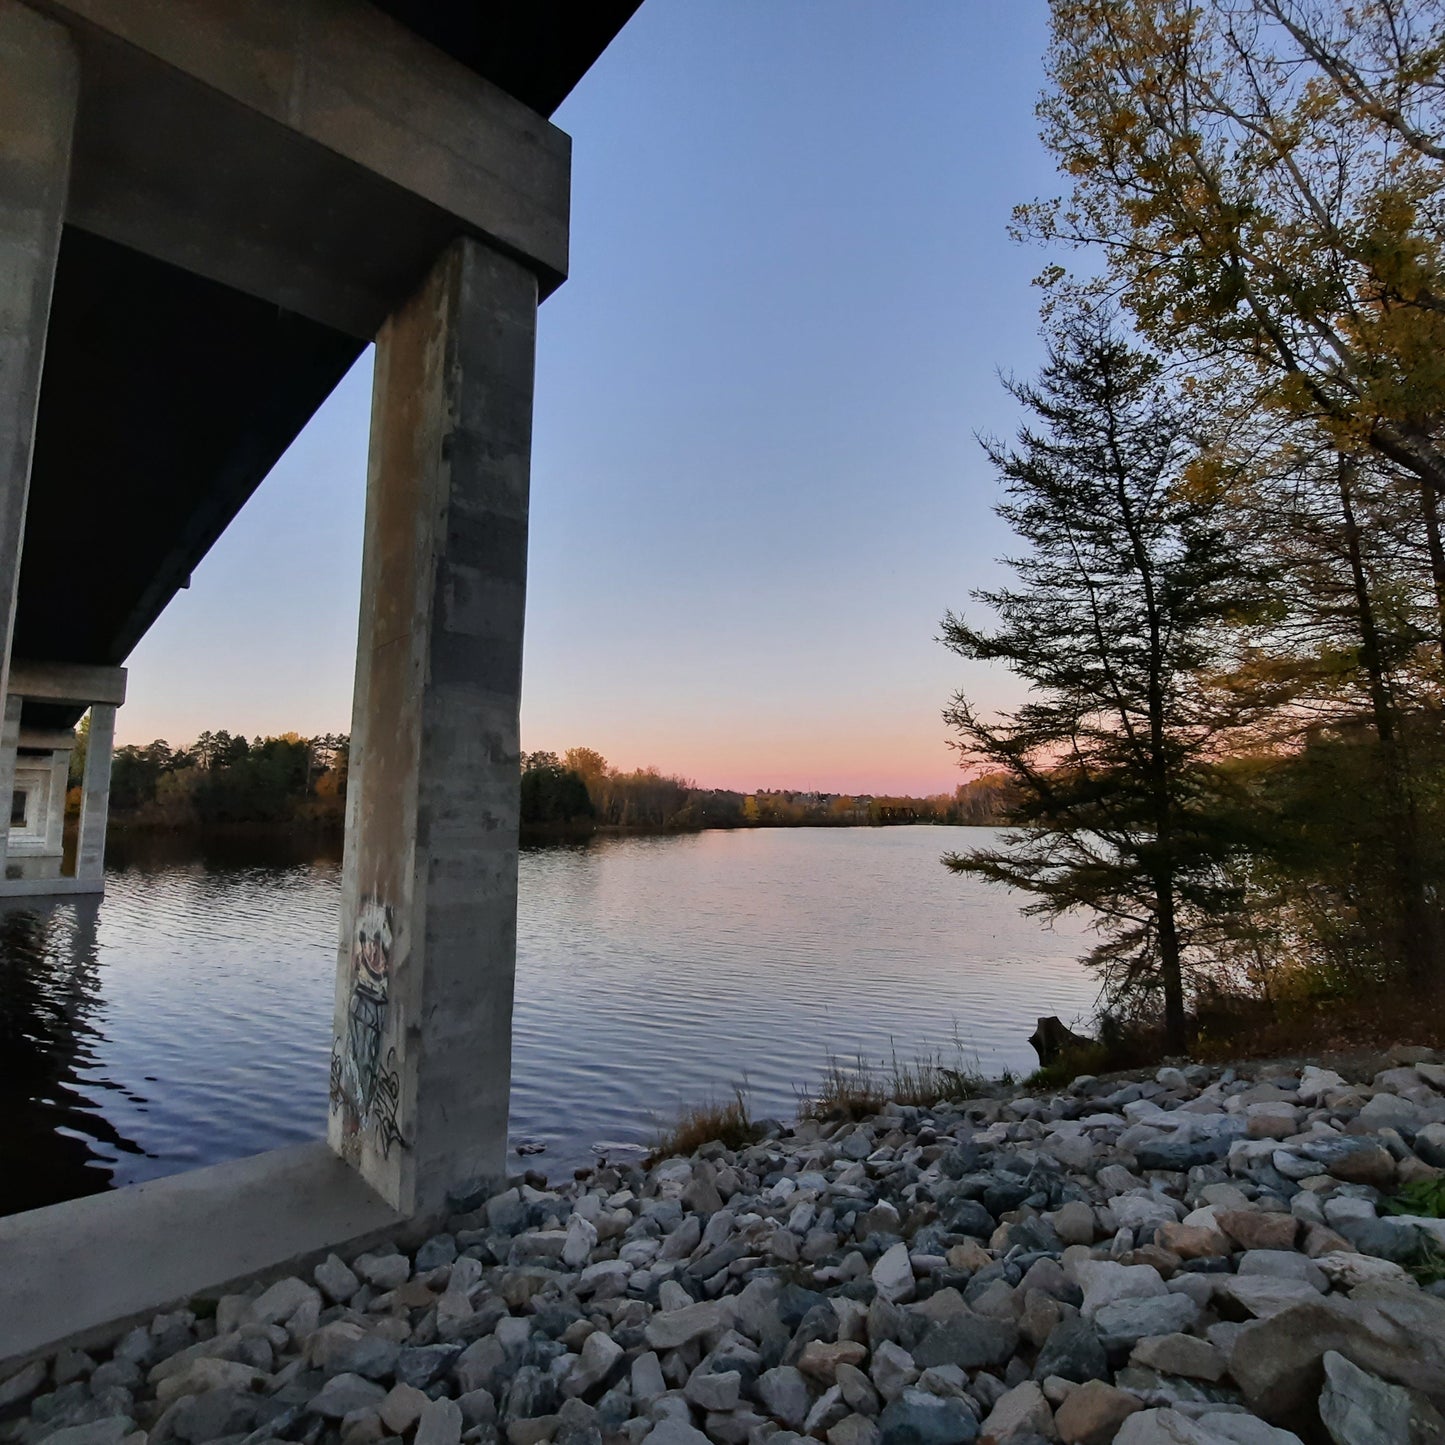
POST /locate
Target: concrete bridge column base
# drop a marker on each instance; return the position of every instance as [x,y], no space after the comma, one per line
[422,1054]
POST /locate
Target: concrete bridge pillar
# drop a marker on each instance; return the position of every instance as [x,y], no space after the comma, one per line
[38,87]
[95,798]
[422,1053]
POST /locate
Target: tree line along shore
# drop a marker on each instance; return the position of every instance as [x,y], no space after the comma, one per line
[224,781]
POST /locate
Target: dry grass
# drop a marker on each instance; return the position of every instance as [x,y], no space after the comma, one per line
[727,1121]
[857,1089]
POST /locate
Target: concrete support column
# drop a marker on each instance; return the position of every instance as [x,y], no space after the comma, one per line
[38,85]
[95,798]
[421,1064]
[55,816]
[9,747]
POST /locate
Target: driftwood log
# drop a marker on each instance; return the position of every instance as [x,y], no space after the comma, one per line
[1052,1037]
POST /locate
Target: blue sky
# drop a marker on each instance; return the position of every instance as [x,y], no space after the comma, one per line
[755,483]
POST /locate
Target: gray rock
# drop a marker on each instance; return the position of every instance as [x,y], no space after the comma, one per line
[1263,1295]
[891,1369]
[22,1384]
[531,1393]
[1073,1351]
[917,1418]
[1283,1264]
[1171,1427]
[1390,1111]
[440,1249]
[674,1432]
[440,1423]
[402,1408]
[672,1329]
[481,1365]
[213,1415]
[784,1394]
[342,1394]
[646,1378]
[1277,1361]
[108,1431]
[1022,1411]
[598,1359]
[714,1391]
[1359,1408]
[478,1407]
[346,1348]
[967,1340]
[1122,1324]
[419,1365]
[282,1301]
[384,1271]
[1430,1144]
[854,1430]
[1179,1354]
[336,1279]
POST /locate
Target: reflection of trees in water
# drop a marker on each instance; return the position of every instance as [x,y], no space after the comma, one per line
[49,1003]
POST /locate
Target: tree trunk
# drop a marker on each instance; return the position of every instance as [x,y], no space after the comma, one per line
[1416,945]
[1176,1025]
[1430,505]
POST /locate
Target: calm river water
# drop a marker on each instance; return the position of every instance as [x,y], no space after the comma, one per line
[186,1018]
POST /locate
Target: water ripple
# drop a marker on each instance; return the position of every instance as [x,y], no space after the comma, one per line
[186,1019]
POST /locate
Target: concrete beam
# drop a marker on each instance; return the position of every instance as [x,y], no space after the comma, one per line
[421,1063]
[344,75]
[67,682]
[46,740]
[79,1272]
[38,92]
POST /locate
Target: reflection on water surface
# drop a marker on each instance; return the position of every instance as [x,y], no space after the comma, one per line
[186,1018]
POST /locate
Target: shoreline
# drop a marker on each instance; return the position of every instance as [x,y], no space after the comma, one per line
[1199,1254]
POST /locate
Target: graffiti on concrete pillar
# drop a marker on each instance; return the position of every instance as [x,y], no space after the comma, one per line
[365,1084]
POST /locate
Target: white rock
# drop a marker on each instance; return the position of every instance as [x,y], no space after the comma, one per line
[1342,1208]
[282,1301]
[1264,1295]
[1315,1083]
[1142,1213]
[1104,1281]
[893,1273]
[675,1328]
[1022,1409]
[581,1241]
[599,1356]
[1170,1427]
[1347,1269]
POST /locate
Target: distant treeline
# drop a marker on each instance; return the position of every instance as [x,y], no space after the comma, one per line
[578,792]
[223,779]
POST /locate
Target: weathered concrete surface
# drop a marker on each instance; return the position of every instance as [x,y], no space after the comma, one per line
[67,682]
[9,742]
[38,86]
[95,797]
[428,944]
[353,81]
[74,1270]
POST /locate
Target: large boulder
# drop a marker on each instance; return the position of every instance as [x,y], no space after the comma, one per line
[1278,1362]
[1358,1408]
